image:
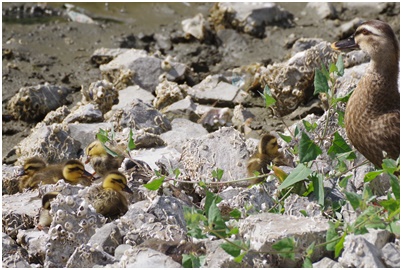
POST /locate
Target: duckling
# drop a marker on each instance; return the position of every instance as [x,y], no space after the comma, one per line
[101,161]
[31,167]
[45,219]
[108,199]
[72,171]
[372,115]
[267,153]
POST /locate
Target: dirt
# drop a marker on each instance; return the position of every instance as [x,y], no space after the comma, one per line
[39,49]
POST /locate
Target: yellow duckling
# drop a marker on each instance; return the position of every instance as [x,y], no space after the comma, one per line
[45,219]
[267,153]
[31,167]
[100,160]
[73,172]
[108,199]
[372,115]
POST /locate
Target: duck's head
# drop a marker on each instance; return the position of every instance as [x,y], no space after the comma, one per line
[33,165]
[268,145]
[74,170]
[116,181]
[373,37]
[95,149]
[48,198]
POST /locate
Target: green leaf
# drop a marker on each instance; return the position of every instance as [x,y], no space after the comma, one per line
[320,82]
[218,173]
[233,250]
[269,99]
[155,184]
[372,175]
[344,182]
[307,263]
[131,145]
[285,247]
[308,149]
[340,146]
[340,66]
[341,118]
[239,258]
[300,173]
[233,231]
[235,213]
[331,236]
[176,173]
[395,185]
[284,137]
[194,218]
[339,245]
[354,199]
[333,68]
[211,199]
[304,213]
[318,182]
[110,151]
[389,165]
[344,98]
[309,126]
[102,136]
[297,131]
[390,205]
[192,261]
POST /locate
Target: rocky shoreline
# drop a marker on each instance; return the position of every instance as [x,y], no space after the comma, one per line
[192,97]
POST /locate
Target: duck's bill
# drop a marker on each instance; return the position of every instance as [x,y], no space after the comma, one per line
[127,189]
[345,45]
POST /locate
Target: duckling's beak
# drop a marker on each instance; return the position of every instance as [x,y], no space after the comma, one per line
[127,189]
[87,160]
[345,45]
[21,173]
[87,174]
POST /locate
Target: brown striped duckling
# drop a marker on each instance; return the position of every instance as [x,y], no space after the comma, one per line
[31,167]
[45,219]
[72,171]
[267,153]
[100,160]
[108,199]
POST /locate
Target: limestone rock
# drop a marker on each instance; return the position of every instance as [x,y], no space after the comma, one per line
[13,255]
[86,256]
[84,114]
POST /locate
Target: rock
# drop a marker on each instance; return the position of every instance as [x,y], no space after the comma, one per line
[182,131]
[85,256]
[303,44]
[169,210]
[136,67]
[10,179]
[241,118]
[130,93]
[348,28]
[119,252]
[358,252]
[105,55]
[251,18]
[152,156]
[34,241]
[52,143]
[195,26]
[140,115]
[168,93]
[321,10]
[367,9]
[294,204]
[144,139]
[140,258]
[265,229]
[56,116]
[74,222]
[326,263]
[102,94]
[34,102]
[107,238]
[162,42]
[216,257]
[379,238]
[19,212]
[212,89]
[84,114]
[13,255]
[214,119]
[86,133]
[391,255]
[224,149]
[184,108]
[291,82]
